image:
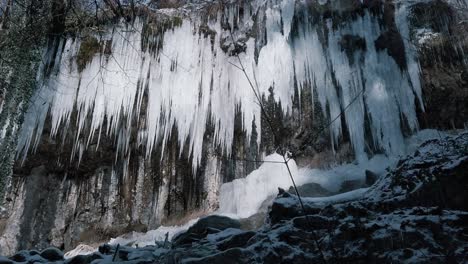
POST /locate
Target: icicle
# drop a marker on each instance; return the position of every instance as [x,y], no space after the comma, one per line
[192,81]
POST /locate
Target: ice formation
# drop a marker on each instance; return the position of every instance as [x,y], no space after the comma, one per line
[243,198]
[191,82]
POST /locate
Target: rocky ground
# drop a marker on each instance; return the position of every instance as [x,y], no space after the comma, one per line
[417,213]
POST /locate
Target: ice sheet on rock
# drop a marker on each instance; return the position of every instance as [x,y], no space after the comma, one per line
[135,239]
[191,82]
[243,197]
[342,197]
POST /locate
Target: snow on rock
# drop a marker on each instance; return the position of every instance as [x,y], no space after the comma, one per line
[390,222]
[81,249]
[137,239]
[245,197]
[428,176]
[151,237]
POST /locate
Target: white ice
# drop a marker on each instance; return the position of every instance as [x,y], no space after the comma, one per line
[192,81]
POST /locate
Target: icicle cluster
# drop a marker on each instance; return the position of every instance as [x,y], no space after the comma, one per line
[191,81]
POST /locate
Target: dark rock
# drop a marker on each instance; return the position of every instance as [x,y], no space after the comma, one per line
[5,261]
[253,222]
[443,67]
[94,256]
[84,259]
[123,254]
[141,253]
[348,186]
[284,208]
[281,191]
[20,256]
[238,240]
[38,259]
[355,210]
[436,177]
[231,256]
[392,42]
[436,15]
[371,177]
[105,249]
[407,253]
[78,260]
[351,44]
[53,254]
[311,190]
[464,76]
[233,48]
[280,210]
[312,222]
[34,252]
[205,226]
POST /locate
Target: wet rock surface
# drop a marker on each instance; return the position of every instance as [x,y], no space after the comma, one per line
[392,221]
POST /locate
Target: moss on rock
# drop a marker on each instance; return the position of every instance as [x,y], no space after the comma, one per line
[154,29]
[88,48]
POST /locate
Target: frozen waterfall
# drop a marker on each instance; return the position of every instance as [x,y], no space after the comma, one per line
[191,82]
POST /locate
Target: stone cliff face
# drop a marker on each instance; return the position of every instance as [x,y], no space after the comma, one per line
[415,213]
[442,44]
[172,118]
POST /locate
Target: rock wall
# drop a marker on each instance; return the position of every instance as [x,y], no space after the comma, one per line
[81,183]
[443,42]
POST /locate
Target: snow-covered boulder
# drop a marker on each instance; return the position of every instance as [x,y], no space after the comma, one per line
[204,226]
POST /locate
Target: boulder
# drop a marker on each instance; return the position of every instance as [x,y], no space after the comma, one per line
[86,259]
[231,256]
[78,260]
[52,254]
[105,249]
[38,259]
[239,240]
[313,222]
[21,256]
[34,252]
[311,190]
[4,260]
[208,225]
[371,177]
[351,185]
[286,206]
[253,222]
